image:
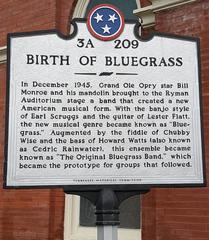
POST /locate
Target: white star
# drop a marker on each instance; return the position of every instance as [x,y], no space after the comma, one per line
[106,29]
[112,18]
[98,17]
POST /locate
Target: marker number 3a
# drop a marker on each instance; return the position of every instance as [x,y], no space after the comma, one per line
[83,43]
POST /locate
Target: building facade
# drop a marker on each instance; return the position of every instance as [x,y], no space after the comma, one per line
[166,214]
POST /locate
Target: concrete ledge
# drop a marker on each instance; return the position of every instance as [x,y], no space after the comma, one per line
[147,14]
[80,8]
[3,54]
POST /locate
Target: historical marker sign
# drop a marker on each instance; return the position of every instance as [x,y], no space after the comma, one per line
[83,111]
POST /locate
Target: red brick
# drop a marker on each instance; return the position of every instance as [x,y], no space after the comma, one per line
[182,214]
[29,214]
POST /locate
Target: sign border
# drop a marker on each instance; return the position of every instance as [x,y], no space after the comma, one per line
[95,188]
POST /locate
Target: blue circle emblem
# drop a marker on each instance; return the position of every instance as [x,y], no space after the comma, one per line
[105,22]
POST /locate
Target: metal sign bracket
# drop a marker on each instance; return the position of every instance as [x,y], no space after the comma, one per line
[107,202]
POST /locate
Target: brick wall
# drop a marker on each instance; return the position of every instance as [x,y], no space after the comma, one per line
[24,15]
[144,3]
[29,214]
[182,214]
[168,214]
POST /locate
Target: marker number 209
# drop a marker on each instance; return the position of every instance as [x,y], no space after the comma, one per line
[126,44]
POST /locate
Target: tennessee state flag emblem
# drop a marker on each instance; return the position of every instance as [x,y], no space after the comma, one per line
[105,22]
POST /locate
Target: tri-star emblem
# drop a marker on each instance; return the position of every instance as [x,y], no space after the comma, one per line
[105,22]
